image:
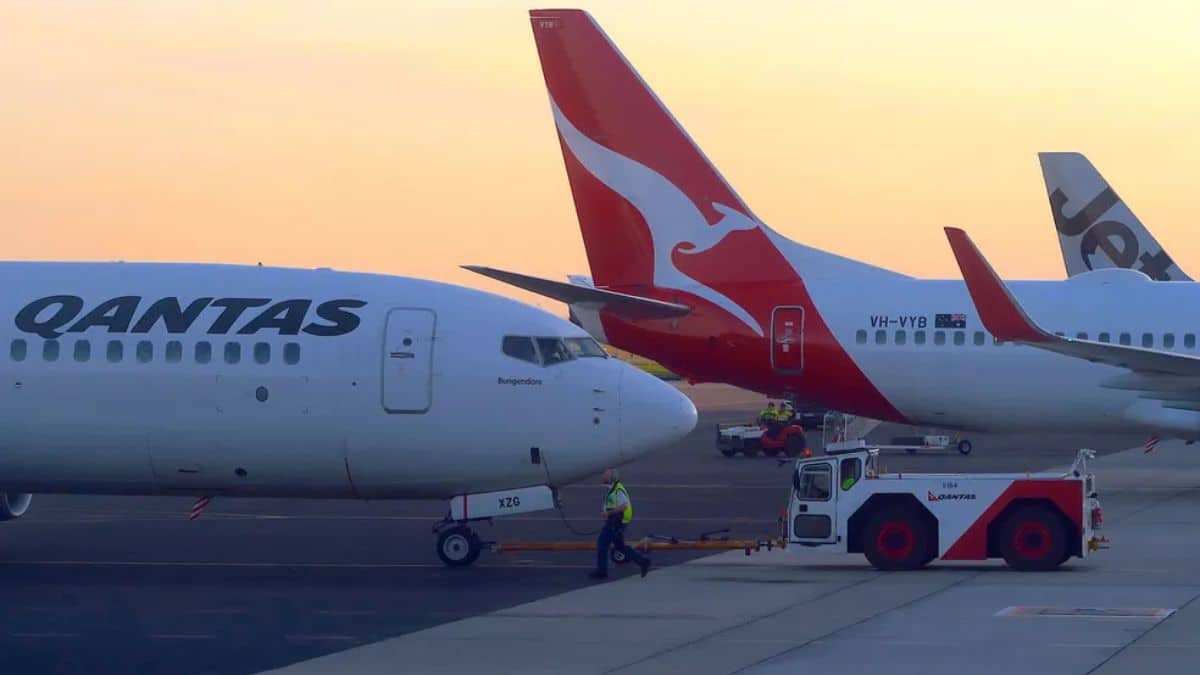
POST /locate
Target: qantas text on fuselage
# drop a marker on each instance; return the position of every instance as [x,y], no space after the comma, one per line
[53,316]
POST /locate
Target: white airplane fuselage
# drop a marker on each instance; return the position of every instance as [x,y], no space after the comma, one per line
[211,379]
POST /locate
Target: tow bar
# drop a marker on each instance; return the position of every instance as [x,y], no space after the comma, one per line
[652,542]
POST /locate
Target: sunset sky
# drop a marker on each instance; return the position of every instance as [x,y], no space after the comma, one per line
[411,137]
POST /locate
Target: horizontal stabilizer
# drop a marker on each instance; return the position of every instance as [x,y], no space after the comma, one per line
[622,304]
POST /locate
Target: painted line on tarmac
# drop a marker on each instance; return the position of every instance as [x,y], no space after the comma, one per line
[263,565]
[322,638]
[177,517]
[180,636]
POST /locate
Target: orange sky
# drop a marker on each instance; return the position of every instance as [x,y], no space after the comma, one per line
[411,137]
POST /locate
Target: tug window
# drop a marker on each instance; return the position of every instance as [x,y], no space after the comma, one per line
[851,471]
[519,348]
[814,482]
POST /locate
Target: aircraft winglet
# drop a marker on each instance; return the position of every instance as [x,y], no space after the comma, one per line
[1000,312]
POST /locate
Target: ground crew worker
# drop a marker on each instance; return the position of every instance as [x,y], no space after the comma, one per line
[618,513]
[770,414]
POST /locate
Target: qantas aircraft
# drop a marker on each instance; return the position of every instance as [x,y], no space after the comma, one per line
[684,273]
[148,379]
[1096,228]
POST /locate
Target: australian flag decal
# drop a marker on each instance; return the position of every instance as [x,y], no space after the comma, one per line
[950,321]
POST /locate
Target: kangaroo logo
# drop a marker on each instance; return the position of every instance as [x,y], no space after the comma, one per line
[675,222]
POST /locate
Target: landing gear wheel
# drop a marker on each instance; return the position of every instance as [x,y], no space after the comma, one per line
[458,546]
[896,540]
[1033,539]
[964,447]
[794,445]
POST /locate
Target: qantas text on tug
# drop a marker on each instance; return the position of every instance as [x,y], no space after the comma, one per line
[132,378]
[684,273]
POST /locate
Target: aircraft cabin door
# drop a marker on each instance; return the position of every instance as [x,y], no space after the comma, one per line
[787,339]
[408,360]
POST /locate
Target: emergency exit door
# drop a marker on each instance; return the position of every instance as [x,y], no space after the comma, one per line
[408,360]
[787,339]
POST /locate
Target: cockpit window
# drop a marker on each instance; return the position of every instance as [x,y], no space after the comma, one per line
[553,351]
[520,347]
[585,348]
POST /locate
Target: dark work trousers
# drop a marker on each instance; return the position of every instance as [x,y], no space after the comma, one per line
[613,533]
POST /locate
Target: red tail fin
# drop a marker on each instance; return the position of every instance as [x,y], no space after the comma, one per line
[642,188]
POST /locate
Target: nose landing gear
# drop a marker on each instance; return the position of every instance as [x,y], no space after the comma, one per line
[458,546]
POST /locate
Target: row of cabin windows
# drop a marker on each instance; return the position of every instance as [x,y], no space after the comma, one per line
[979,338]
[143,351]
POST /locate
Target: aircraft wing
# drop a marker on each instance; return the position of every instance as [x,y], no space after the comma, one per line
[1007,321]
[622,304]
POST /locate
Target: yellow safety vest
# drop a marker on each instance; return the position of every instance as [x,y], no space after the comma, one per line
[610,502]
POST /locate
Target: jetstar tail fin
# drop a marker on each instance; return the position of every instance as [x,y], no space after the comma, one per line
[1096,228]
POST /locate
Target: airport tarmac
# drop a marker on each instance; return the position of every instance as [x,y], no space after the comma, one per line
[119,585]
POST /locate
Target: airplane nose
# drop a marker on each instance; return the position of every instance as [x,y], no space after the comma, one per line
[653,413]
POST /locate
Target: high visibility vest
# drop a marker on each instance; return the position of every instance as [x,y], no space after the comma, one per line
[768,414]
[610,502]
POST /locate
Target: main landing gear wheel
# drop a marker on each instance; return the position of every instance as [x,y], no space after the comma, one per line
[964,447]
[458,546]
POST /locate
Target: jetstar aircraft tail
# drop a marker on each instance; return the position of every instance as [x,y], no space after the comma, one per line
[1096,229]
[657,217]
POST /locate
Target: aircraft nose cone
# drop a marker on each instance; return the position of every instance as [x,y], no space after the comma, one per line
[653,414]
